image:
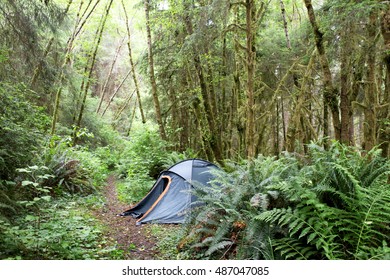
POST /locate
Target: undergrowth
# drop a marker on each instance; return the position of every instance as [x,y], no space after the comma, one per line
[61,229]
[140,163]
[332,204]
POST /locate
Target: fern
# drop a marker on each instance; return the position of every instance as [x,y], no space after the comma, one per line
[294,249]
[218,246]
[8,206]
[333,205]
[339,217]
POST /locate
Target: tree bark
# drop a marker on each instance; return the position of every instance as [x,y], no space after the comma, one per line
[370,99]
[250,68]
[384,132]
[89,76]
[152,75]
[283,10]
[135,80]
[330,92]
[345,92]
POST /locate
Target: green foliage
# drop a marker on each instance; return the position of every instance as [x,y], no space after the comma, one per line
[175,157]
[91,164]
[168,237]
[22,136]
[8,205]
[341,210]
[333,204]
[141,162]
[60,230]
[22,128]
[225,226]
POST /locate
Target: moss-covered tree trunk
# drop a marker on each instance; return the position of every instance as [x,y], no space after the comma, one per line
[152,77]
[330,92]
[346,113]
[250,69]
[81,18]
[384,125]
[91,67]
[132,65]
[370,98]
[212,130]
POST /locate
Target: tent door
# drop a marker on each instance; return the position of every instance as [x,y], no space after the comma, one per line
[167,182]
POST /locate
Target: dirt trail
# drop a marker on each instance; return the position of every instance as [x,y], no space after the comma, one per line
[134,240]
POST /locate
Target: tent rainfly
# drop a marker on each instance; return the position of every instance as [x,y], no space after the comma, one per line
[170,198]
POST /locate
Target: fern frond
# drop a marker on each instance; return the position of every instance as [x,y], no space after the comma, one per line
[218,246]
[293,249]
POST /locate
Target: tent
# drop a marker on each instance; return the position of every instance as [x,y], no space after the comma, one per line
[170,198]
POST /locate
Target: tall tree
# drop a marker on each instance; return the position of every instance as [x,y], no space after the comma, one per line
[346,112]
[106,82]
[135,80]
[330,92]
[250,68]
[82,17]
[92,61]
[152,77]
[384,132]
[370,99]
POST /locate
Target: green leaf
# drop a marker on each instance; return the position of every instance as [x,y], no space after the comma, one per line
[46,198]
[304,232]
[27,183]
[23,170]
[30,218]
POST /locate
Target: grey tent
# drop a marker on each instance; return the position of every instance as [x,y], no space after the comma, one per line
[170,198]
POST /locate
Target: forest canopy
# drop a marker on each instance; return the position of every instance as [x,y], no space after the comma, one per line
[94,87]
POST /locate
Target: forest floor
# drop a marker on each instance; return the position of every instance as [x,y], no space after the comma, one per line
[136,241]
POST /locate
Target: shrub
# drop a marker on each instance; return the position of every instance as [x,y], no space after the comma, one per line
[59,230]
[334,204]
[22,136]
[141,162]
[22,128]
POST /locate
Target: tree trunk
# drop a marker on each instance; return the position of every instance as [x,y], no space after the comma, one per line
[82,20]
[214,143]
[123,107]
[294,127]
[384,132]
[250,68]
[237,126]
[330,92]
[104,89]
[115,92]
[370,99]
[345,91]
[135,80]
[89,76]
[213,139]
[38,70]
[131,121]
[67,59]
[283,10]
[151,74]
